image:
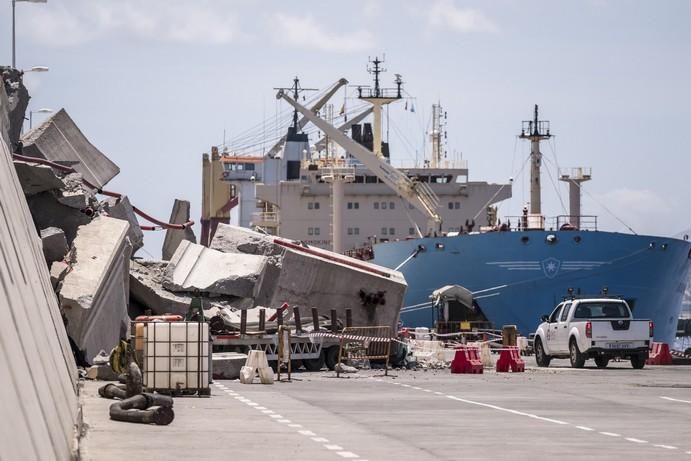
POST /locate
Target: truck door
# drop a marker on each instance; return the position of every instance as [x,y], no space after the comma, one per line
[551,333]
[562,342]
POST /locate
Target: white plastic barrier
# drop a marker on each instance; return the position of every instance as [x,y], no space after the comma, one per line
[485,353]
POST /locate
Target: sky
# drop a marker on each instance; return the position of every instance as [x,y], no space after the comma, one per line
[155,84]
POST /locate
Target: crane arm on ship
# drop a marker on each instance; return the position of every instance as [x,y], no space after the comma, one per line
[418,194]
[315,108]
[346,126]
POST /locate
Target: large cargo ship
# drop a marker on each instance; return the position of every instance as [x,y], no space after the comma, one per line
[355,201]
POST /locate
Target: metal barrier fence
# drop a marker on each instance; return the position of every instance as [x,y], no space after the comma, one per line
[365,343]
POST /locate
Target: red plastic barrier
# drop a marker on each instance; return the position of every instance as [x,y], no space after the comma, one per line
[510,359]
[659,354]
[466,360]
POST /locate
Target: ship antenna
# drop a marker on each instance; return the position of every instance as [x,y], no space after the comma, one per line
[535,130]
[296,89]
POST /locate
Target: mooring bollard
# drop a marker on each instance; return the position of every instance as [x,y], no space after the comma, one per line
[243,322]
[298,321]
[349,317]
[262,319]
[315,319]
[334,321]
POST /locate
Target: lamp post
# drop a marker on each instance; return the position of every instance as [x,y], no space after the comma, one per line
[14,52]
[40,111]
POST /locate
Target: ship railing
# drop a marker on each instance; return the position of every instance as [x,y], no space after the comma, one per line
[362,253]
[265,218]
[365,92]
[323,163]
[538,222]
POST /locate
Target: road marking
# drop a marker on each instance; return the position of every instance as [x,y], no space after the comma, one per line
[666,447]
[284,421]
[676,400]
[320,439]
[260,408]
[347,454]
[610,434]
[295,425]
[631,439]
[307,433]
[438,393]
[267,411]
[584,428]
[276,416]
[333,447]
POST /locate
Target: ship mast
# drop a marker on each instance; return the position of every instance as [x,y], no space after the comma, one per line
[437,134]
[296,89]
[379,97]
[535,130]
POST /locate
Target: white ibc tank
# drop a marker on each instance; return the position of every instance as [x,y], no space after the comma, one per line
[176,356]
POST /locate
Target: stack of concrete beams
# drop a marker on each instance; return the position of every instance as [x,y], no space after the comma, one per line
[38,393]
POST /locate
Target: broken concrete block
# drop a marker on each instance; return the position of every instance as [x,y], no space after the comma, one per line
[58,270]
[227,365]
[54,244]
[179,215]
[95,292]
[234,239]
[121,208]
[195,267]
[146,289]
[101,373]
[36,178]
[46,211]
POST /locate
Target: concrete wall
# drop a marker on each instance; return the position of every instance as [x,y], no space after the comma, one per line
[38,376]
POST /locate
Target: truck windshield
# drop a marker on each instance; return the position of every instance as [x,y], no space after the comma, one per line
[601,310]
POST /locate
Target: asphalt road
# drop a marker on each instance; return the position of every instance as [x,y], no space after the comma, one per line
[554,413]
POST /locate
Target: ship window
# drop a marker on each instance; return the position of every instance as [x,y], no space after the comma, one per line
[310,205]
[356,231]
[457,205]
[391,205]
[450,205]
[316,205]
[356,205]
[316,231]
[384,231]
[310,231]
[350,205]
[392,231]
[350,231]
[376,205]
[383,205]
[411,231]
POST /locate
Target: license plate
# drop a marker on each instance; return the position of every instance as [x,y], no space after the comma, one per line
[619,345]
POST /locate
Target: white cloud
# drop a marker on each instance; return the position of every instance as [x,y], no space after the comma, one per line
[306,32]
[444,13]
[81,21]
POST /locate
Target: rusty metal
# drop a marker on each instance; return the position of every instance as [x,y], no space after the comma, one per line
[243,321]
[297,319]
[262,319]
[349,317]
[365,343]
[315,319]
[334,321]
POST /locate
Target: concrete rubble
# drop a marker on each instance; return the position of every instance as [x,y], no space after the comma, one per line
[179,215]
[121,208]
[95,293]
[227,365]
[54,244]
[146,288]
[37,178]
[197,268]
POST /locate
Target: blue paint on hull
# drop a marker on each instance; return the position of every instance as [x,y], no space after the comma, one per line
[521,276]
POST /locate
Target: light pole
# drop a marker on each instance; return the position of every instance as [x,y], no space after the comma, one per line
[14,52]
[40,111]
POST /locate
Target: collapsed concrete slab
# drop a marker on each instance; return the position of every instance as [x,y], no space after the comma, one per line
[146,278]
[195,267]
[226,365]
[37,178]
[58,270]
[46,211]
[59,140]
[121,208]
[179,215]
[311,277]
[94,294]
[54,244]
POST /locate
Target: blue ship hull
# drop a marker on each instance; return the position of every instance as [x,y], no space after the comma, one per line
[518,276]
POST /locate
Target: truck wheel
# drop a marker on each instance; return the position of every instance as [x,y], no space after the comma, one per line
[577,359]
[541,357]
[314,364]
[331,357]
[638,361]
[601,361]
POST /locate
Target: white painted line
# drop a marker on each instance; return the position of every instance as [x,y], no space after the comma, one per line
[631,439]
[276,416]
[666,447]
[320,439]
[267,411]
[549,420]
[507,410]
[585,428]
[610,434]
[333,447]
[295,425]
[307,433]
[676,400]
[417,388]
[347,454]
[405,385]
[260,408]
[438,393]
[284,421]
[252,404]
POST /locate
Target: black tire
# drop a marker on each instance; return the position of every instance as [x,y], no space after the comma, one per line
[638,361]
[314,364]
[577,359]
[601,361]
[541,357]
[331,357]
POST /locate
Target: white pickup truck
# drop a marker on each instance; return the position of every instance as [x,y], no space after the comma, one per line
[598,328]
